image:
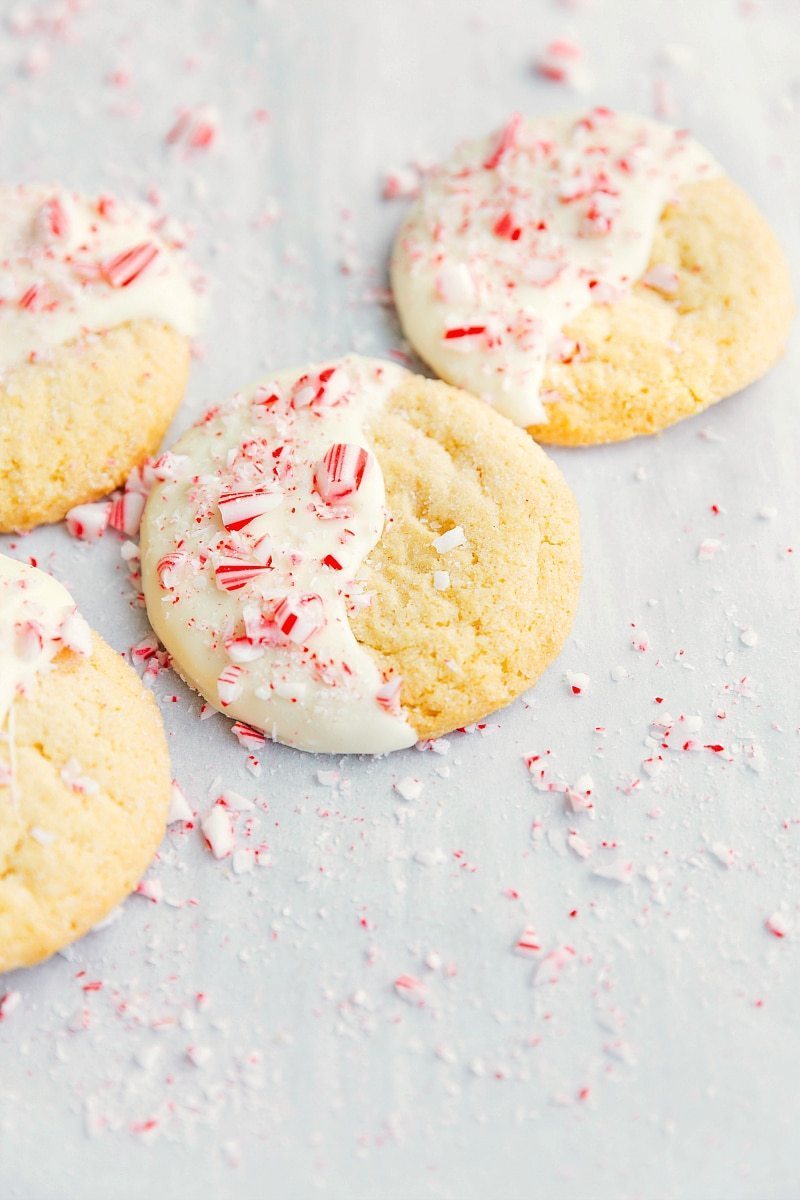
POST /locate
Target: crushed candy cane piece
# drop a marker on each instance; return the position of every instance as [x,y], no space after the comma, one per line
[76,634]
[722,853]
[388,695]
[777,925]
[578,682]
[299,617]
[410,989]
[235,801]
[230,684]
[179,809]
[578,844]
[150,889]
[251,739]
[409,787]
[340,472]
[237,510]
[233,574]
[400,183]
[562,62]
[8,1003]
[450,540]
[168,570]
[527,944]
[661,278]
[88,522]
[126,513]
[217,830]
[619,871]
[125,268]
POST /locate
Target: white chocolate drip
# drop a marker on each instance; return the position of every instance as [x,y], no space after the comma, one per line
[70,265]
[251,557]
[519,233]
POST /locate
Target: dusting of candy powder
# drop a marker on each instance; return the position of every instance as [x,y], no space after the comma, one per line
[71,264]
[520,232]
[37,621]
[251,555]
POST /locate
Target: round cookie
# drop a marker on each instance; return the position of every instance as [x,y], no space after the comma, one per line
[594,277]
[659,356]
[97,310]
[84,772]
[353,557]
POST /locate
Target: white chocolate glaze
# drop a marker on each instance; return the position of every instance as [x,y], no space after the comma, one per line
[520,232]
[251,556]
[71,264]
[37,620]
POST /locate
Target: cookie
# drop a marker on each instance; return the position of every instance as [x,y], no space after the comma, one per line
[97,309]
[351,558]
[84,771]
[593,277]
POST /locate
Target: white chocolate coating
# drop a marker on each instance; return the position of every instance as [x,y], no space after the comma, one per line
[71,264]
[249,570]
[37,621]
[520,232]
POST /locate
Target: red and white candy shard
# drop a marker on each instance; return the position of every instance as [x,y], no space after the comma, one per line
[168,569]
[126,511]
[234,573]
[562,62]
[251,739]
[777,925]
[410,989]
[240,509]
[88,522]
[75,263]
[519,232]
[195,129]
[8,1002]
[340,472]
[217,829]
[528,944]
[230,685]
[251,556]
[179,809]
[124,268]
[299,617]
[150,889]
[388,694]
[661,278]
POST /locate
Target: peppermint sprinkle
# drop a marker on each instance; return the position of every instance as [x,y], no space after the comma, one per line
[450,540]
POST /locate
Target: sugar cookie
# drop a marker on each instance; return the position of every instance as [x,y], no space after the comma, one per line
[84,771]
[593,277]
[97,308]
[352,558]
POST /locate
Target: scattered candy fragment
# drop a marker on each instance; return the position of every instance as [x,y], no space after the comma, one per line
[450,540]
[217,829]
[410,989]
